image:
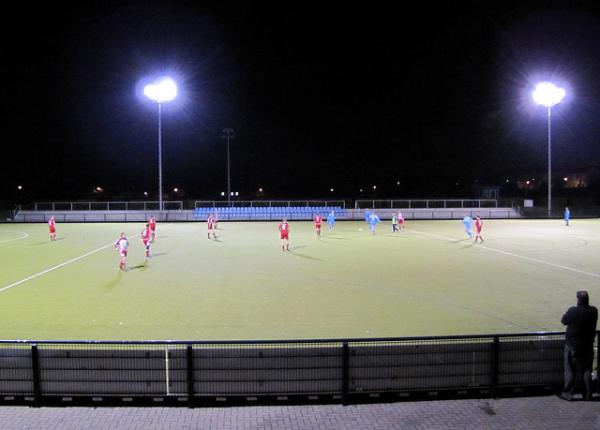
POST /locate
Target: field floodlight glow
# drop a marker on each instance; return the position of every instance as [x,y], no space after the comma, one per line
[547,94]
[162,90]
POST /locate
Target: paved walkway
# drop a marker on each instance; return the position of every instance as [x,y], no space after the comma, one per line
[516,413]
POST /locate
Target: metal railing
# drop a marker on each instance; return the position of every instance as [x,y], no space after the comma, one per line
[425,203]
[317,371]
[269,203]
[107,206]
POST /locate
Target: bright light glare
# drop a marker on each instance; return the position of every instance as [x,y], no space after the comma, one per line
[162,90]
[547,94]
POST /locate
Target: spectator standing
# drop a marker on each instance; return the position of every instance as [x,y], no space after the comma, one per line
[581,323]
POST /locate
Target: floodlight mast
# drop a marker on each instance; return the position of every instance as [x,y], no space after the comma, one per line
[162,90]
[548,95]
[228,134]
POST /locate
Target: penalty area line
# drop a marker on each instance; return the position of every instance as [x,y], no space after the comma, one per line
[500,251]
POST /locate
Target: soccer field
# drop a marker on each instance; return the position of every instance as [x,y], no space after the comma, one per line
[426,280]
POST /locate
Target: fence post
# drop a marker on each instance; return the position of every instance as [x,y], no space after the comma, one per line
[598,361]
[345,372]
[35,368]
[190,375]
[495,365]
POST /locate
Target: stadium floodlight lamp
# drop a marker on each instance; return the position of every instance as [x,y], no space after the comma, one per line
[160,91]
[548,95]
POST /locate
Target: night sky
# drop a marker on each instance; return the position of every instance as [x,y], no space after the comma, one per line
[320,94]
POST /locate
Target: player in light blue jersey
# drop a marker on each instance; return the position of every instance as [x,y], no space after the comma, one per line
[468,222]
[373,221]
[567,216]
[331,221]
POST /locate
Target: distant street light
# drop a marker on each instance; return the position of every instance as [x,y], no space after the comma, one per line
[548,95]
[161,91]
[19,187]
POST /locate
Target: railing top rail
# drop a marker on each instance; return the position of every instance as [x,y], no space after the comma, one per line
[279,341]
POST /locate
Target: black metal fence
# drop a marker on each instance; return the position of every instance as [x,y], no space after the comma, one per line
[314,371]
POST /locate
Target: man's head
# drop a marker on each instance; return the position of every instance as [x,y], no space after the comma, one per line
[583,298]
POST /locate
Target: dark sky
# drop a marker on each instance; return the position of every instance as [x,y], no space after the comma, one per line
[320,94]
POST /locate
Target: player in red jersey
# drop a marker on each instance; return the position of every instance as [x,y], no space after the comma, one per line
[401,220]
[152,223]
[284,231]
[122,245]
[318,222]
[146,237]
[478,227]
[211,223]
[52,228]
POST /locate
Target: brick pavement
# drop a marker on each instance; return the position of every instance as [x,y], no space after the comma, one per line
[514,413]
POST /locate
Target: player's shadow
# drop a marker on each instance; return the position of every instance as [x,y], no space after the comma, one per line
[39,243]
[140,266]
[335,238]
[470,245]
[116,281]
[216,240]
[59,238]
[306,257]
[158,254]
[459,241]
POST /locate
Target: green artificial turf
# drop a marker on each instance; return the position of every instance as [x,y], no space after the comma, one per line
[427,280]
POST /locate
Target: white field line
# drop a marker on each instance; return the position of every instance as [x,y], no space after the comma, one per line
[58,266]
[18,238]
[500,251]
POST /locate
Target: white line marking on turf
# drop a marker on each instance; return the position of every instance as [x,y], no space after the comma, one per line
[18,238]
[535,260]
[37,275]
[58,266]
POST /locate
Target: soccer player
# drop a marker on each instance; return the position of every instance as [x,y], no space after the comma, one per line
[318,223]
[394,223]
[468,222]
[373,221]
[121,245]
[567,216]
[401,220]
[331,221]
[212,225]
[146,237]
[478,227]
[152,223]
[52,228]
[284,232]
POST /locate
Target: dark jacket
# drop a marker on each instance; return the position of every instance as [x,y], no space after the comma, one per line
[581,325]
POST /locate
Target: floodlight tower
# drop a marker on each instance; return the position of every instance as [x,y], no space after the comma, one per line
[547,94]
[228,134]
[160,91]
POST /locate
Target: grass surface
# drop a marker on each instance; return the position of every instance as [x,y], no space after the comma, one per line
[427,280]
